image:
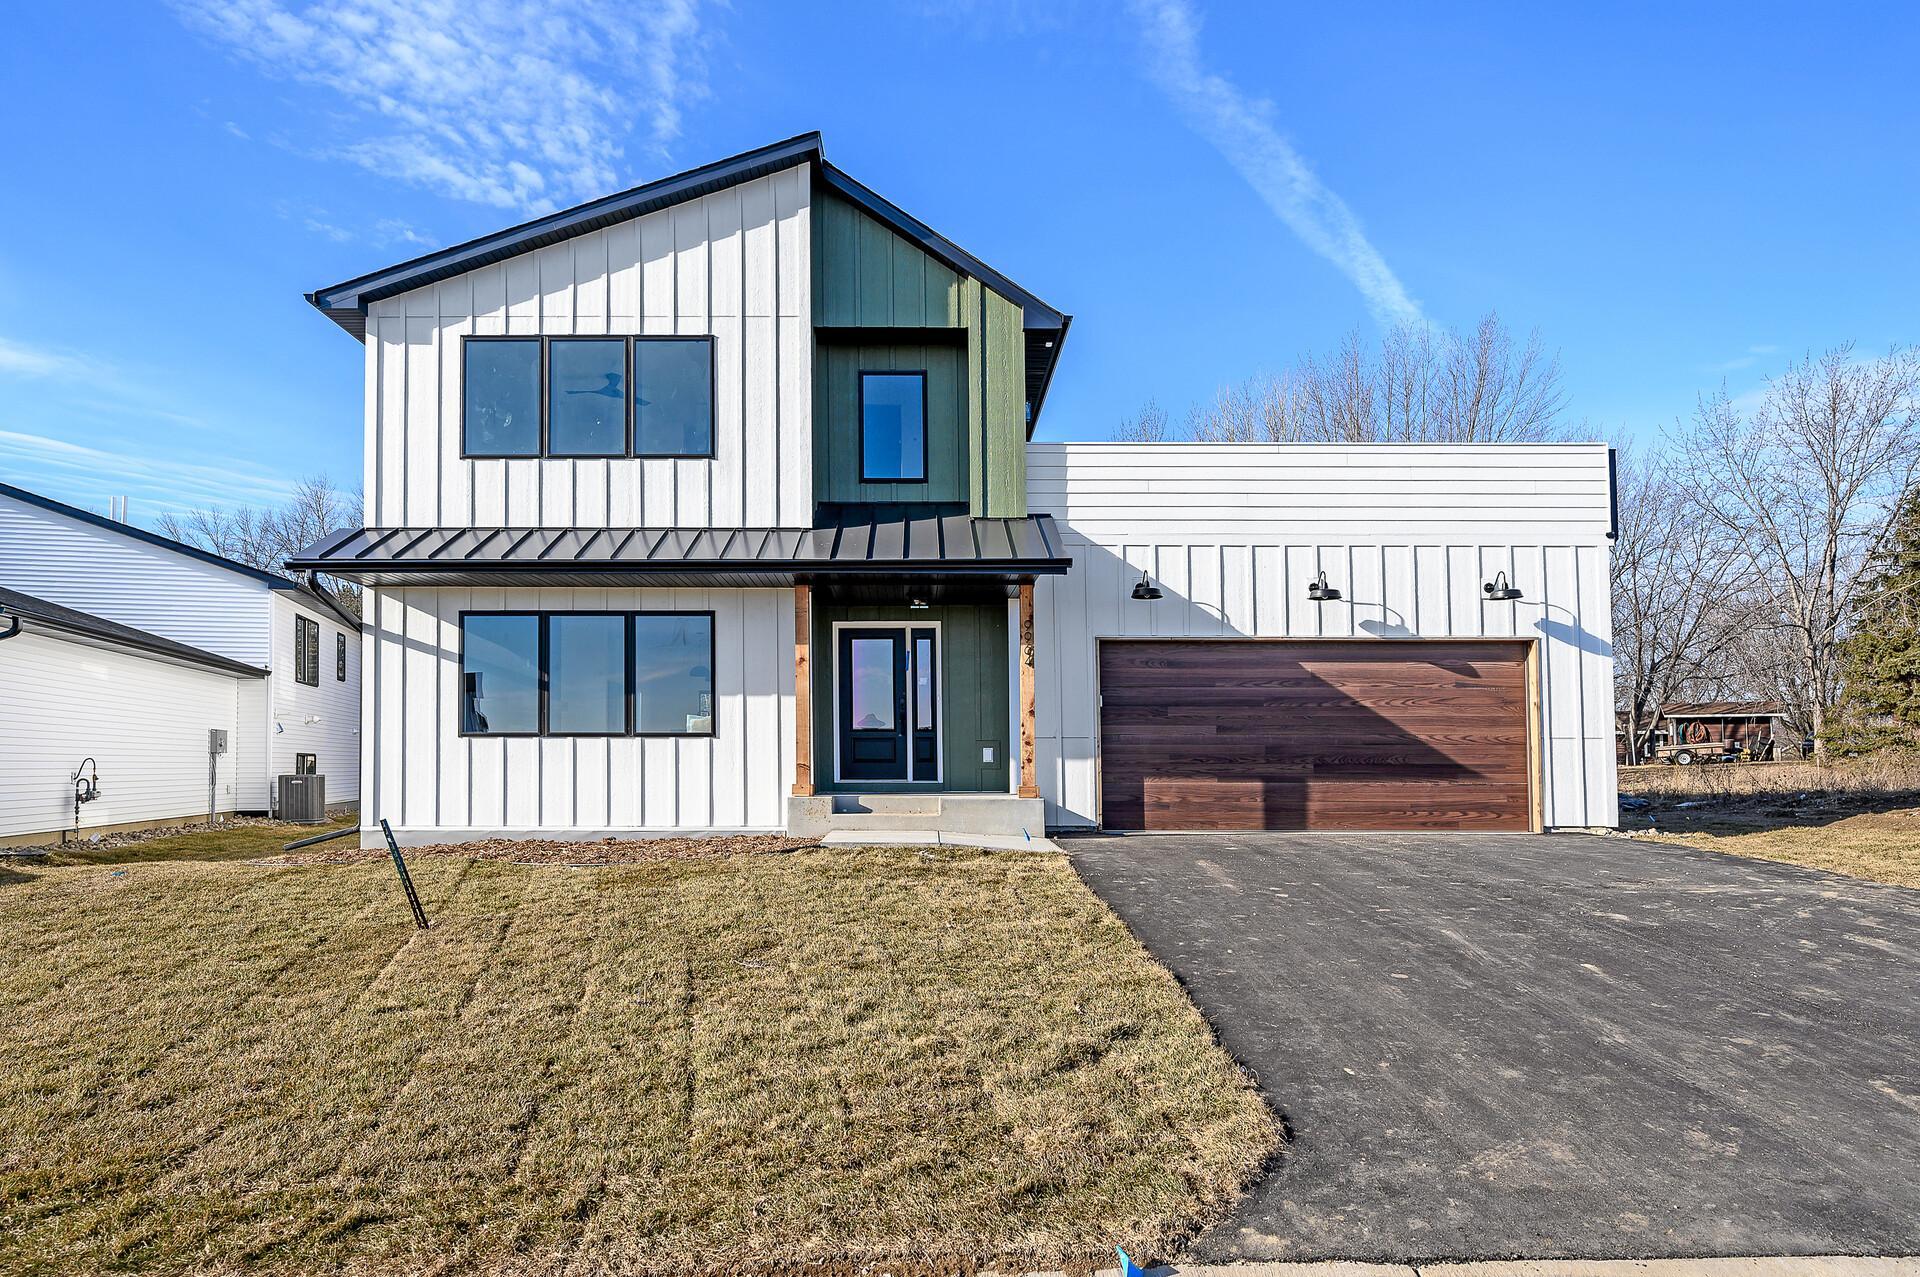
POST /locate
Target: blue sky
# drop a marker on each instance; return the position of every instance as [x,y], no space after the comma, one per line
[1212,189]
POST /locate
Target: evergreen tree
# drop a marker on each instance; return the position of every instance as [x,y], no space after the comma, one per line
[1880,701]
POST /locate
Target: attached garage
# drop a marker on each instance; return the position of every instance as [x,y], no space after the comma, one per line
[1305,734]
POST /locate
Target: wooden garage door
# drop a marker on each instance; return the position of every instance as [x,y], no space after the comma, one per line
[1254,734]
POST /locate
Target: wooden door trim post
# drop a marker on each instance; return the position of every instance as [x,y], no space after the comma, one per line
[1029,775]
[802,691]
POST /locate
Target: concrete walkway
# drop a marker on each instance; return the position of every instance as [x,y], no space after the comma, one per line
[1762,1266]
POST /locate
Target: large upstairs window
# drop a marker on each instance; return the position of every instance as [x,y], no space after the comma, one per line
[587,397]
[893,427]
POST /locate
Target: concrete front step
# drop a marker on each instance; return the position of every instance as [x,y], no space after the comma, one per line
[1002,815]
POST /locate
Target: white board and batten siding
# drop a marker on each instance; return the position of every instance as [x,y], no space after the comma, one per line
[1232,534]
[143,721]
[429,781]
[735,264]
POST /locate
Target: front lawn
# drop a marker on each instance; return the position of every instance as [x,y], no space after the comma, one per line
[743,1061]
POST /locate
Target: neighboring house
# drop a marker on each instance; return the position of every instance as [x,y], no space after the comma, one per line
[92,706]
[711,506]
[302,714]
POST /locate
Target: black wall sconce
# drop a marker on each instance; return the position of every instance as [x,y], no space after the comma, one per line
[1319,591]
[1500,590]
[1144,590]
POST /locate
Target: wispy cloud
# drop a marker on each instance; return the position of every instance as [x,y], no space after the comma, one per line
[1753,356]
[1242,129]
[519,106]
[175,483]
[18,359]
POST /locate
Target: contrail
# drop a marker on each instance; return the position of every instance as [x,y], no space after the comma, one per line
[1242,130]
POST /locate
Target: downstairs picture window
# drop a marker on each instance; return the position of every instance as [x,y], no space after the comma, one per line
[586,674]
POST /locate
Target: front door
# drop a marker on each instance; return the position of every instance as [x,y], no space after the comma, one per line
[887,702]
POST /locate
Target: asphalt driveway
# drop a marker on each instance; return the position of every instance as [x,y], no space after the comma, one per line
[1508,1045]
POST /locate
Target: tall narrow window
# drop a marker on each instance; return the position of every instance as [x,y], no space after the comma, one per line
[587,398]
[501,414]
[586,674]
[893,427]
[306,651]
[339,658]
[500,675]
[673,674]
[673,396]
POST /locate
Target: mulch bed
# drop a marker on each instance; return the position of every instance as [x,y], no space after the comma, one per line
[542,851]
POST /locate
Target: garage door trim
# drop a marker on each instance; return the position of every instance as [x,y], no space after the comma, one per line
[1530,646]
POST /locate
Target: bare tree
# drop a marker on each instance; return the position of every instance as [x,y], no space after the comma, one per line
[1680,591]
[267,538]
[1420,384]
[1149,426]
[1807,485]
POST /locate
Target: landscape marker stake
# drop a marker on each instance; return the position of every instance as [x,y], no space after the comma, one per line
[406,879]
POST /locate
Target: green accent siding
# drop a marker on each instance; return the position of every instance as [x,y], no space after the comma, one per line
[836,421]
[974,689]
[865,276]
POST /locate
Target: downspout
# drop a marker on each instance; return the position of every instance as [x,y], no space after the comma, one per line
[11,623]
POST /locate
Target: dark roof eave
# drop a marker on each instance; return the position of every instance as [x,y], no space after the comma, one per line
[346,302]
[797,568]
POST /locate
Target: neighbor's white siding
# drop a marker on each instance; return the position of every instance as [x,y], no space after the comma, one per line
[1232,534]
[323,721]
[422,775]
[735,264]
[92,569]
[142,720]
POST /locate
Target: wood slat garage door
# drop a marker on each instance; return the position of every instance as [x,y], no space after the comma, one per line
[1282,734]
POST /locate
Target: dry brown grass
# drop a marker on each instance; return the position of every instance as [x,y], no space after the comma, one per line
[757,1060]
[1859,817]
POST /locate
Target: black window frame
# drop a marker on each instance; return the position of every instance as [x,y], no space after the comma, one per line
[340,657]
[540,397]
[627,394]
[543,674]
[926,425]
[630,408]
[305,764]
[306,650]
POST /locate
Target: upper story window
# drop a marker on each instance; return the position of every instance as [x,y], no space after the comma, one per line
[306,651]
[339,658]
[893,427]
[587,397]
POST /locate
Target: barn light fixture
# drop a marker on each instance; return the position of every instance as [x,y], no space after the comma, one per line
[1319,591]
[917,605]
[1144,590]
[1500,590]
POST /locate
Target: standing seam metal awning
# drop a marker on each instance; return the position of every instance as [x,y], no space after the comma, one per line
[945,546]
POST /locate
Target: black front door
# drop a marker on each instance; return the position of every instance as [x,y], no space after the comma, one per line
[887,678]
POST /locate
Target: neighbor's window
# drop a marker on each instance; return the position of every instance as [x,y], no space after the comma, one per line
[339,658]
[893,427]
[586,674]
[587,398]
[502,388]
[500,674]
[306,651]
[673,396]
[306,765]
[570,674]
[673,673]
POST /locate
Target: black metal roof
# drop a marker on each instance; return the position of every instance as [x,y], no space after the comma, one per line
[98,628]
[271,579]
[933,547]
[346,303]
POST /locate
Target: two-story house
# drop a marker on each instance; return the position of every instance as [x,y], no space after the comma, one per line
[712,505]
[135,647]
